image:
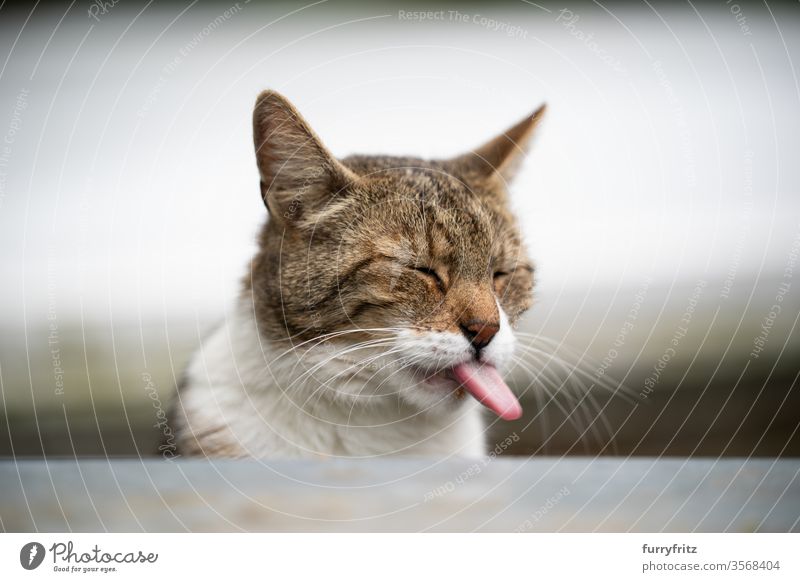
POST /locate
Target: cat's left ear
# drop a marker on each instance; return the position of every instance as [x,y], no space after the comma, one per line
[500,157]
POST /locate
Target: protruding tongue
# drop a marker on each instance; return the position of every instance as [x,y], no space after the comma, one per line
[485,384]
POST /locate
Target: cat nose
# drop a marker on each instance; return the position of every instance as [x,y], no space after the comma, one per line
[479,333]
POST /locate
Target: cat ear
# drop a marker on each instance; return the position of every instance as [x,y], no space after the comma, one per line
[298,174]
[501,156]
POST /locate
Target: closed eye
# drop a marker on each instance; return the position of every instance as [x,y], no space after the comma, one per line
[432,275]
[512,271]
[499,279]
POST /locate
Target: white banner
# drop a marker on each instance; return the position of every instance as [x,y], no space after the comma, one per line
[401,557]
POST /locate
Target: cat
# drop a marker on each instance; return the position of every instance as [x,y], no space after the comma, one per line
[377,315]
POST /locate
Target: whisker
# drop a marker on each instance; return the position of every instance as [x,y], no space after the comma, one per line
[327,336]
[336,355]
[583,358]
[346,349]
[570,416]
[596,432]
[604,382]
[360,363]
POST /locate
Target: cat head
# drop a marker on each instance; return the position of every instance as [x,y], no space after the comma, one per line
[417,264]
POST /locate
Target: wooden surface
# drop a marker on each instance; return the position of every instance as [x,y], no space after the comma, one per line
[508,494]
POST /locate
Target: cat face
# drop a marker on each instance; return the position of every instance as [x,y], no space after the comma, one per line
[418,265]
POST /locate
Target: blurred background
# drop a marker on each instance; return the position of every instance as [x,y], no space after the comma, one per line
[660,201]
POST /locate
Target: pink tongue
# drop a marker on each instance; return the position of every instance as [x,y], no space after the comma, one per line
[485,384]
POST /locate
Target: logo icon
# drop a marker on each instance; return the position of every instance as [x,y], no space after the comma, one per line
[31,555]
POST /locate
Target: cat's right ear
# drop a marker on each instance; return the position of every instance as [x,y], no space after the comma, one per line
[298,174]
